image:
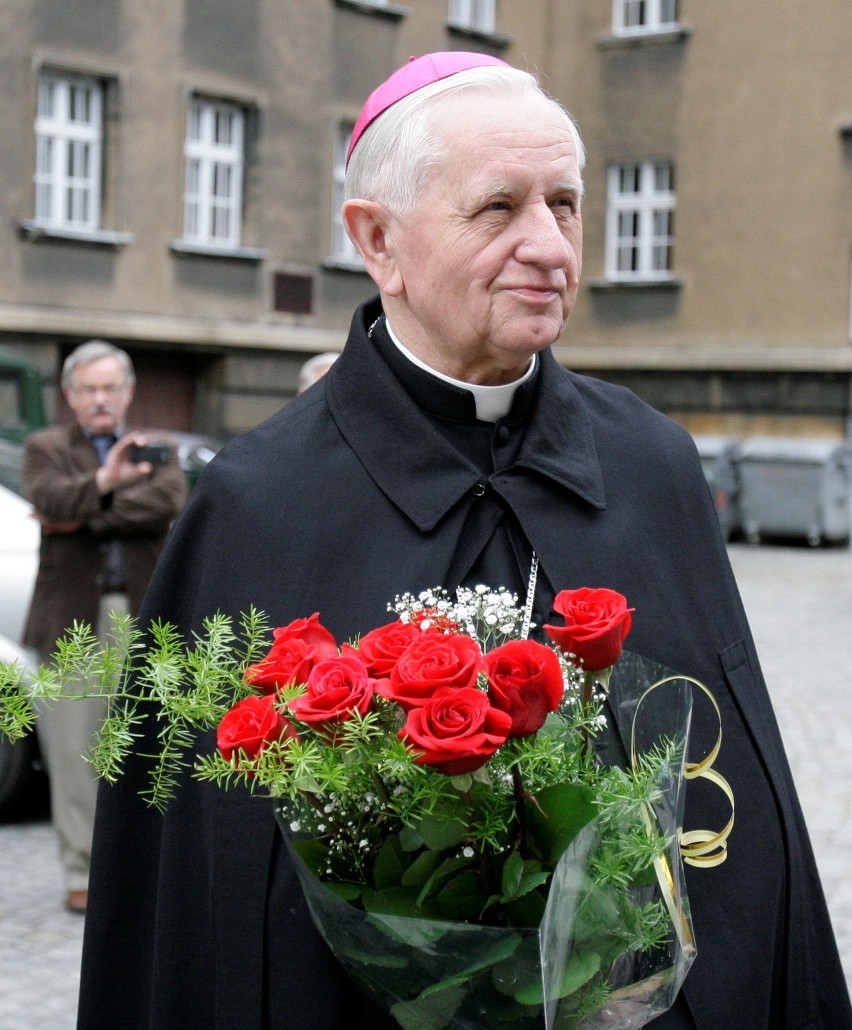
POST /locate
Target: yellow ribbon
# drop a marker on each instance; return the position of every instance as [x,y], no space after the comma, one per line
[702,848]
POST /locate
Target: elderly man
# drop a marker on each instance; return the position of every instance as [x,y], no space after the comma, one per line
[451,448]
[103,521]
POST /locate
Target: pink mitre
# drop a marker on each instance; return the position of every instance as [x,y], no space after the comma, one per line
[419,72]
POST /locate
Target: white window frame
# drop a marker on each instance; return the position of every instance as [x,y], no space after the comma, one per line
[214,171]
[475,15]
[640,210]
[343,250]
[634,17]
[69,149]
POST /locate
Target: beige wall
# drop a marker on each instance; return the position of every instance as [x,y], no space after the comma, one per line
[748,104]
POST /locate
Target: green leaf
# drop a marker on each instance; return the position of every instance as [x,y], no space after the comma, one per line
[421,869]
[522,969]
[313,854]
[410,839]
[346,891]
[390,865]
[464,897]
[495,952]
[646,876]
[445,871]
[396,901]
[557,816]
[513,870]
[579,970]
[444,829]
[597,914]
[432,1013]
[530,881]
[527,911]
[520,877]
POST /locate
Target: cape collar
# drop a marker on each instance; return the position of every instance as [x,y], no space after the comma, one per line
[416,467]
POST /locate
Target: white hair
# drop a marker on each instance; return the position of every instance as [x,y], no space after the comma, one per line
[315,368]
[94,350]
[398,152]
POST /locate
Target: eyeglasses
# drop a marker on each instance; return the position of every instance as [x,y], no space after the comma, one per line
[110,389]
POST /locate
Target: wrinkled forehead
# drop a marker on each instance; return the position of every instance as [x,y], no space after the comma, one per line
[105,367]
[477,125]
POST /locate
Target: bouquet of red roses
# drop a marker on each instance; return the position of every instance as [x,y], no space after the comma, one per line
[486,827]
[478,843]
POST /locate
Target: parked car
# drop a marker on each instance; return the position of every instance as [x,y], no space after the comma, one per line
[20,763]
[19,541]
[23,781]
[194,450]
[21,397]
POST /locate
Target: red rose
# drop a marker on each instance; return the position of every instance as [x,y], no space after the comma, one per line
[525,681]
[381,648]
[432,661]
[596,624]
[336,688]
[457,730]
[295,650]
[250,725]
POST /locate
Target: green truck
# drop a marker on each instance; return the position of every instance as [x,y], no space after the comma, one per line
[21,411]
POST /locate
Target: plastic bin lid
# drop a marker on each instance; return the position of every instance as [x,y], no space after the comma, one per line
[795,449]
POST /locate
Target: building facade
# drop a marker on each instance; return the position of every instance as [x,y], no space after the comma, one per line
[171,173]
[718,218]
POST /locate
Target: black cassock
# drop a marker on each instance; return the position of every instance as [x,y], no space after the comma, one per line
[378,481]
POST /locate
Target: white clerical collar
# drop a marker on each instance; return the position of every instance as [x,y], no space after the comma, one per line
[492,402]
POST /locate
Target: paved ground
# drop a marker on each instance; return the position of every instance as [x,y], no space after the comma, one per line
[800,604]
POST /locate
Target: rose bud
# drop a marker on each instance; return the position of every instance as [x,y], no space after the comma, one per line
[597,622]
[457,730]
[525,681]
[336,688]
[296,648]
[250,726]
[431,662]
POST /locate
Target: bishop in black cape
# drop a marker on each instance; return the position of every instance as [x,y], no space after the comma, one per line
[380,480]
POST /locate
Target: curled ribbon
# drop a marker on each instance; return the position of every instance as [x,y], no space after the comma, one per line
[701,848]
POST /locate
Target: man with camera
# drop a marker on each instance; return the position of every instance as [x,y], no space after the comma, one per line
[105,499]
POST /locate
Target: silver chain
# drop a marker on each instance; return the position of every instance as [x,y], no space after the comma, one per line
[528,607]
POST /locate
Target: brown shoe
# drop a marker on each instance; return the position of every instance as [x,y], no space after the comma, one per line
[75,901]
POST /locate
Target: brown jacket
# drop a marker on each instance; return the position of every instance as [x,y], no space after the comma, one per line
[59,479]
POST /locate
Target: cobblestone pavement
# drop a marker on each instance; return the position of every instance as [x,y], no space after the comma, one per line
[800,605]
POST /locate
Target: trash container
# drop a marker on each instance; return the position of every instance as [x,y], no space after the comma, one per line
[720,457]
[795,487]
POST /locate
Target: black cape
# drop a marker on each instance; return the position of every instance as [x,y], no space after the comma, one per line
[348,497]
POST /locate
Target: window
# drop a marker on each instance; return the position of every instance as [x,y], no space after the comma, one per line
[634,16]
[343,250]
[69,141]
[640,221]
[478,15]
[214,174]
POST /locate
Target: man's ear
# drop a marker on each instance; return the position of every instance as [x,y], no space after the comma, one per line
[367,224]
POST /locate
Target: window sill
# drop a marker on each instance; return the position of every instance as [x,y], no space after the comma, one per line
[392,11]
[496,39]
[621,40]
[670,282]
[339,264]
[33,230]
[231,253]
